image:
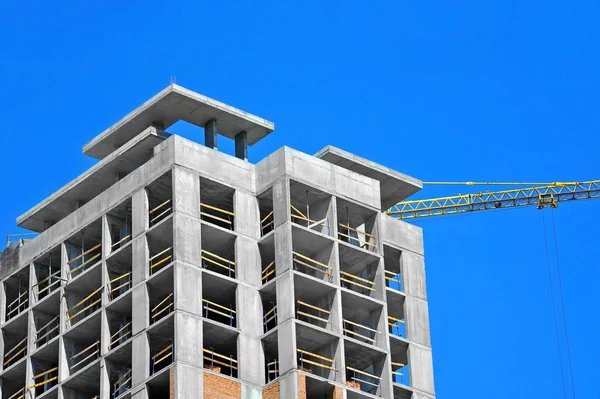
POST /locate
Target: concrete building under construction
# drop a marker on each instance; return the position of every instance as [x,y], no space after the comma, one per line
[172,270]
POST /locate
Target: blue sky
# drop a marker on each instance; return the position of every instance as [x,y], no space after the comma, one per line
[491,91]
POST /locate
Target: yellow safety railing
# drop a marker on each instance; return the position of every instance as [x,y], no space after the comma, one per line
[397,366]
[272,370]
[361,380]
[120,336]
[165,354]
[364,283]
[123,281]
[78,307]
[121,241]
[48,380]
[267,272]
[89,261]
[163,258]
[16,353]
[18,395]
[47,334]
[305,261]
[218,309]
[92,351]
[368,240]
[49,284]
[265,223]
[122,384]
[395,329]
[303,310]
[164,306]
[298,216]
[219,261]
[159,212]
[393,280]
[271,315]
[354,334]
[17,305]
[302,360]
[232,365]
[223,213]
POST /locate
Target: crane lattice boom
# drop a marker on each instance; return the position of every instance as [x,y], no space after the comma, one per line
[543,196]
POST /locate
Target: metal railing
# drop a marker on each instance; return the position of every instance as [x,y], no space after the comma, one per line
[216,260]
[268,273]
[18,305]
[266,224]
[351,330]
[304,309]
[302,261]
[361,379]
[122,335]
[87,355]
[215,363]
[159,212]
[351,280]
[367,241]
[81,306]
[220,310]
[270,316]
[124,284]
[162,258]
[393,280]
[272,370]
[50,377]
[47,332]
[121,242]
[302,361]
[400,377]
[166,305]
[50,285]
[96,254]
[122,385]
[166,354]
[299,217]
[223,213]
[17,352]
[20,392]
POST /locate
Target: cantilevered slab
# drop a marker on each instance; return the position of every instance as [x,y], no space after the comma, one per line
[171,105]
[394,186]
[93,181]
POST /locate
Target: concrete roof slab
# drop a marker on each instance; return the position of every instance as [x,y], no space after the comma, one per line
[171,105]
[394,186]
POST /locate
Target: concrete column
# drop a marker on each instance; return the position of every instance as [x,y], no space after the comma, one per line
[283,249]
[186,192]
[286,345]
[105,386]
[2,304]
[188,342]
[210,134]
[241,146]
[188,289]
[248,262]
[386,388]
[186,239]
[139,212]
[288,386]
[417,321]
[139,392]
[63,363]
[140,310]
[412,266]
[140,359]
[187,381]
[281,202]
[140,260]
[249,320]
[284,290]
[420,364]
[247,214]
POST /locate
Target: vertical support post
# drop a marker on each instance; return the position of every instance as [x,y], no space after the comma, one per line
[241,146]
[210,134]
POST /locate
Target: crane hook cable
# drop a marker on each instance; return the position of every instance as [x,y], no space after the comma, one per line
[560,363]
[562,303]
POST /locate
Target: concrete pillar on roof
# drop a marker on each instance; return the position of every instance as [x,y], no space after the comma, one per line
[241,146]
[210,134]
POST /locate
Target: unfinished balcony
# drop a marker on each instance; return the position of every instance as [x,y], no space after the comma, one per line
[84,297]
[219,300]
[118,221]
[396,315]
[220,350]
[357,225]
[216,204]
[364,368]
[47,277]
[84,250]
[46,322]
[160,292]
[13,383]
[218,251]
[315,302]
[268,296]
[118,361]
[15,343]
[82,347]
[359,271]
[270,347]
[45,374]
[362,320]
[399,366]
[160,199]
[118,317]
[319,389]
[160,247]
[393,268]
[267,259]
[84,385]
[162,350]
[313,255]
[118,266]
[316,352]
[311,208]
[16,289]
[265,205]
[120,380]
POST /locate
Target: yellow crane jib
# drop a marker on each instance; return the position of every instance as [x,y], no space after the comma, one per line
[548,195]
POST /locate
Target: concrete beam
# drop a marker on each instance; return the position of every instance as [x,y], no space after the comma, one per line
[210,134]
[241,146]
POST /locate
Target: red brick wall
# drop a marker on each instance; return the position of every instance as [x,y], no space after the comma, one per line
[216,387]
[272,391]
[338,392]
[301,386]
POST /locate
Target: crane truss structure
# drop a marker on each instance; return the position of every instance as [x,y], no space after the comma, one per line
[544,196]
